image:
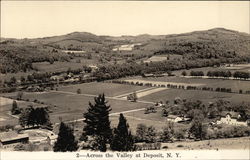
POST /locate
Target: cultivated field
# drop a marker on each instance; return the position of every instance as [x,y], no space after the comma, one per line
[205,96]
[235,85]
[95,88]
[69,105]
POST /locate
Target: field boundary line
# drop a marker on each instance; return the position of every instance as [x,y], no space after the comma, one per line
[139,91]
[91,95]
[111,114]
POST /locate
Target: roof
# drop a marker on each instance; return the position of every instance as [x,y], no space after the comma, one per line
[232,114]
[172,116]
[12,135]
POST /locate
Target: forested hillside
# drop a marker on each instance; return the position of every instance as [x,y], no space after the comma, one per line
[213,46]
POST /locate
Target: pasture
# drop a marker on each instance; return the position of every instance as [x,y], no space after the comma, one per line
[69,105]
[95,88]
[205,96]
[235,85]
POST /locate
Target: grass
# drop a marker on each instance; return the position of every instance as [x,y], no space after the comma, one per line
[154,119]
[72,106]
[204,96]
[220,144]
[235,85]
[109,89]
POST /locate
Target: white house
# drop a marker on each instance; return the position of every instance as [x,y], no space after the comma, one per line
[173,118]
[231,118]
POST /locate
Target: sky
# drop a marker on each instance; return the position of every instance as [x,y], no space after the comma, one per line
[34,19]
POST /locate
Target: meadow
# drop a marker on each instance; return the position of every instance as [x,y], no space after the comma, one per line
[69,105]
[205,96]
[235,85]
[95,88]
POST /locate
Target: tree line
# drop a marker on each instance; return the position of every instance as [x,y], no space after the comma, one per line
[225,74]
[31,116]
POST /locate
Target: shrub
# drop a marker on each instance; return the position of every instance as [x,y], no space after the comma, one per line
[19,147]
[179,145]
[78,91]
[179,133]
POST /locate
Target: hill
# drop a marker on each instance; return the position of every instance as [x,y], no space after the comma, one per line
[214,43]
[217,43]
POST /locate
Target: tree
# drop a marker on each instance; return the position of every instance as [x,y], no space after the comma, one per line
[134,97]
[24,117]
[15,109]
[140,132]
[167,133]
[65,140]
[78,91]
[122,139]
[184,73]
[151,134]
[97,120]
[197,129]
[12,80]
[19,95]
[22,79]
[34,116]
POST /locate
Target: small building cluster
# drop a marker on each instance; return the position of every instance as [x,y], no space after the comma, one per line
[232,118]
[39,137]
[126,47]
[12,138]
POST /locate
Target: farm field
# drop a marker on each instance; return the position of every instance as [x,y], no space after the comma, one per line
[95,88]
[235,85]
[70,106]
[205,96]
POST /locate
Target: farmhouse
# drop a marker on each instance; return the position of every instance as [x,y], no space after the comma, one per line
[174,118]
[177,119]
[12,138]
[231,118]
[155,59]
[34,89]
[55,78]
[93,67]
